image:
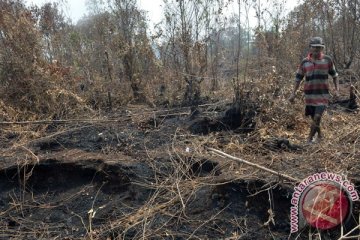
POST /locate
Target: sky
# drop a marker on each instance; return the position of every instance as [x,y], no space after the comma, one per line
[76,9]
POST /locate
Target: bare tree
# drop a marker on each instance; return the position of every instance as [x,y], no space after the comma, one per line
[133,44]
[187,25]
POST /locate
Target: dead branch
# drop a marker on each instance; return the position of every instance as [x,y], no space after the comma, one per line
[218,152]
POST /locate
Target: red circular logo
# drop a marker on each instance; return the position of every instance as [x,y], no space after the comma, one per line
[324,205]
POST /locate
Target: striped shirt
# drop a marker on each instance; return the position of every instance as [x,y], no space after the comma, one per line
[316,73]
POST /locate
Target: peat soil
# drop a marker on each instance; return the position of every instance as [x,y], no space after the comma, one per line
[126,180]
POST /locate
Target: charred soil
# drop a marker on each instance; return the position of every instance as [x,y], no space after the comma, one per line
[149,175]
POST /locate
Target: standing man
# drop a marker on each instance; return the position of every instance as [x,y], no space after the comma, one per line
[316,68]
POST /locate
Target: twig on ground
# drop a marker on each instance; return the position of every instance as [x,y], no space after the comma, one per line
[220,153]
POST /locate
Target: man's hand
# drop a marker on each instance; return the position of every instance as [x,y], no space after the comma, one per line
[292,98]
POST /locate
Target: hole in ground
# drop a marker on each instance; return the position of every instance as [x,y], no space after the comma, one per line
[55,176]
[204,167]
[61,195]
[240,117]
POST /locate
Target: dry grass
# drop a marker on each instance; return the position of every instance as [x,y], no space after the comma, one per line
[175,188]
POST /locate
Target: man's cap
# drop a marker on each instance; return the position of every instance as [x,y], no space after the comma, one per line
[316,42]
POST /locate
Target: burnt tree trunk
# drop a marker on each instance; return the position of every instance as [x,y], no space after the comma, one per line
[352,101]
[192,94]
[109,72]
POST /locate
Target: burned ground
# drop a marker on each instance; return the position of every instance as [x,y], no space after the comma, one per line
[150,175]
